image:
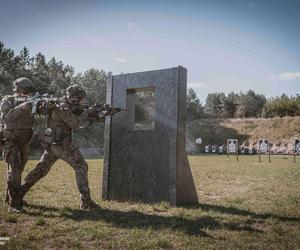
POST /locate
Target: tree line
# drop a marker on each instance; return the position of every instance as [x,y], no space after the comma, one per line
[241,105]
[53,77]
[49,76]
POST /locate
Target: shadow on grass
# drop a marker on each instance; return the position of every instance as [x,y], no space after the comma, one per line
[241,212]
[136,219]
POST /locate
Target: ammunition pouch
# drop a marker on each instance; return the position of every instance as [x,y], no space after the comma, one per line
[9,135]
[47,137]
[52,136]
[18,137]
[58,135]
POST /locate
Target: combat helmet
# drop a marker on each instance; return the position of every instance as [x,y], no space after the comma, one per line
[76,90]
[23,84]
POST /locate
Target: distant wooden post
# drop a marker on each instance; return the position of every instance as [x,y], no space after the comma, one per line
[296,149]
[237,151]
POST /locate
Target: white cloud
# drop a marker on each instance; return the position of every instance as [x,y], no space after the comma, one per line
[289,76]
[195,85]
[119,59]
[286,76]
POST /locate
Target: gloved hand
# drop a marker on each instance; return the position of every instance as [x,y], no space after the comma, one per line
[92,112]
[43,107]
[51,105]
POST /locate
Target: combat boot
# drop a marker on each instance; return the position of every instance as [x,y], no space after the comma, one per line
[15,204]
[87,203]
[16,210]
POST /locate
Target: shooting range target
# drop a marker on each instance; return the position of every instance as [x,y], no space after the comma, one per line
[232,145]
[297,146]
[263,145]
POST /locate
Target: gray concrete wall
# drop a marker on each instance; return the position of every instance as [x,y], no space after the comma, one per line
[147,165]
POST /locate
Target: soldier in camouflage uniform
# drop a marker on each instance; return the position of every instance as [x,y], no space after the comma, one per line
[17,132]
[57,140]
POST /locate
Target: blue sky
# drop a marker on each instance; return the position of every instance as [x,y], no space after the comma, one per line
[226,46]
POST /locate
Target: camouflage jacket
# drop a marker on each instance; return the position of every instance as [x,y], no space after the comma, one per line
[16,117]
[62,120]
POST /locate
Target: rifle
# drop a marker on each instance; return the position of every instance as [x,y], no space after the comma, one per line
[36,99]
[106,110]
[102,110]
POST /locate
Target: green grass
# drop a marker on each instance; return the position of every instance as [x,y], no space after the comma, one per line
[243,205]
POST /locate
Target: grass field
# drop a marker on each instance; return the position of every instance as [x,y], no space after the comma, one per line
[243,205]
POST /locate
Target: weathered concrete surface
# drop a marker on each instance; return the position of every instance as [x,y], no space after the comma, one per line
[148,165]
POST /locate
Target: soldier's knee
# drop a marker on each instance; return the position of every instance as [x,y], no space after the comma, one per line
[42,173]
[39,172]
[12,184]
[11,155]
[14,172]
[85,166]
[81,167]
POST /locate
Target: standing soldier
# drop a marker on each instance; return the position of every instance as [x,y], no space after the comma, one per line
[17,132]
[57,140]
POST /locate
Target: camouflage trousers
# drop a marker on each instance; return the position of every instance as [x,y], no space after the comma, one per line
[69,154]
[15,154]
